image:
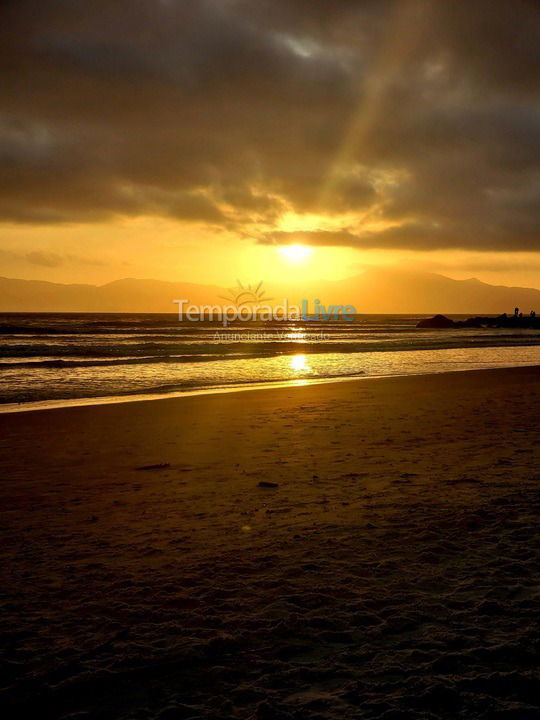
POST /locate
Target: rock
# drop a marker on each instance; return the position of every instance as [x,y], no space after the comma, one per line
[438,321]
[157,466]
[502,321]
[266,484]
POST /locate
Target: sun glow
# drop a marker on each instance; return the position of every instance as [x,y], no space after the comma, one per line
[299,363]
[295,253]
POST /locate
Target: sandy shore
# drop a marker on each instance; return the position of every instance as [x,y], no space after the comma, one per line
[392,572]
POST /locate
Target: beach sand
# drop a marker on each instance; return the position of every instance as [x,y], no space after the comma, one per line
[391,572]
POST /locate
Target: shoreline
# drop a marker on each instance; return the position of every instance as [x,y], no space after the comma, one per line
[63,403]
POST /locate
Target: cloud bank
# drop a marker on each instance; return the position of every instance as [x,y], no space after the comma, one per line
[411,124]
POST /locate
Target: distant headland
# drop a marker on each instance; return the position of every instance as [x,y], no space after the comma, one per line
[516,321]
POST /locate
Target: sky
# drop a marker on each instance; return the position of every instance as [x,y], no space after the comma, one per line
[202,140]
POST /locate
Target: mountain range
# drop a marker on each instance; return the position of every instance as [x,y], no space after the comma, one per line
[375,291]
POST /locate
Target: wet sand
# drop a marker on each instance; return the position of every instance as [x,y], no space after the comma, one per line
[388,567]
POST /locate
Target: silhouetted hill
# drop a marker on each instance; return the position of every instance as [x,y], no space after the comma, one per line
[127,295]
[375,291]
[390,291]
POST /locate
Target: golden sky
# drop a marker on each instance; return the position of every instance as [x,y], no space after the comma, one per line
[198,141]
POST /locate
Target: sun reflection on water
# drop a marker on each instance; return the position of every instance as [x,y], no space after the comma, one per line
[299,364]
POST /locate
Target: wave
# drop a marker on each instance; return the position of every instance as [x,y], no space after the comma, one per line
[199,353]
[60,363]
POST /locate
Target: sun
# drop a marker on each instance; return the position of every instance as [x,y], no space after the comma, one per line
[295,253]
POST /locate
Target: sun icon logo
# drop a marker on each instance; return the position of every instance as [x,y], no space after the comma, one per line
[246,294]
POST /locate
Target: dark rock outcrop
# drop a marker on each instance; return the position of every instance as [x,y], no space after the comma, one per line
[516,322]
[439,321]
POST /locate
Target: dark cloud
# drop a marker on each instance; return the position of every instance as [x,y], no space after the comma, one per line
[419,117]
[45,259]
[486,262]
[410,235]
[325,238]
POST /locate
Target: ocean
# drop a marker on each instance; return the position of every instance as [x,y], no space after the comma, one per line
[57,359]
